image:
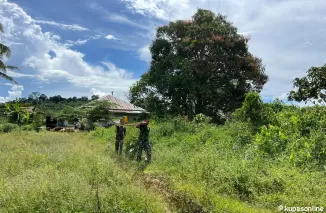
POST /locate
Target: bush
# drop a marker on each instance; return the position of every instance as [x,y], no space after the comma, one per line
[201,118]
[255,111]
[8,127]
[271,140]
[28,128]
[241,132]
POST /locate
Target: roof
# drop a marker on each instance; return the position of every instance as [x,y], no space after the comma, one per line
[128,111]
[29,109]
[121,105]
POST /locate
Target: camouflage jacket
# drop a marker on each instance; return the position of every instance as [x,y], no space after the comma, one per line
[121,132]
[144,132]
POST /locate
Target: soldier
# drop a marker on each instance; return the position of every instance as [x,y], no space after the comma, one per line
[144,140]
[120,135]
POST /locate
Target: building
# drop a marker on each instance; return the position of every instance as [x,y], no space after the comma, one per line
[123,108]
[28,109]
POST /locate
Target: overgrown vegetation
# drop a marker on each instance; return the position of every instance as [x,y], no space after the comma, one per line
[267,155]
[51,172]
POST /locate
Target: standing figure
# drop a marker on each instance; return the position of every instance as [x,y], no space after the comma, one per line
[144,140]
[120,135]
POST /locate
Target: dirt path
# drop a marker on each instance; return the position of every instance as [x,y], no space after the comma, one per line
[175,201]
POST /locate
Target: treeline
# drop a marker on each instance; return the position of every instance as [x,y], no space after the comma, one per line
[36,97]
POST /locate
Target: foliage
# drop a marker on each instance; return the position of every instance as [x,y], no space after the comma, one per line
[51,172]
[100,110]
[5,52]
[255,111]
[38,120]
[16,114]
[69,113]
[236,165]
[198,66]
[201,118]
[95,97]
[8,127]
[28,128]
[311,87]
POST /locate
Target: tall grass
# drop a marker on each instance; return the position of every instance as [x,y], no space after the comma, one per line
[222,169]
[60,172]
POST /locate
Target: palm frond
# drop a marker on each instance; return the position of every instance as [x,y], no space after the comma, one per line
[5,50]
[5,76]
[11,68]
[2,66]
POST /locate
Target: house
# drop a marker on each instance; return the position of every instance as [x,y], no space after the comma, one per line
[123,108]
[28,109]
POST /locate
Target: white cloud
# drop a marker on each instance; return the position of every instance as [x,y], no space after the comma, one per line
[145,54]
[288,35]
[18,75]
[117,18]
[15,92]
[68,66]
[112,17]
[75,43]
[8,84]
[94,91]
[73,27]
[80,42]
[111,37]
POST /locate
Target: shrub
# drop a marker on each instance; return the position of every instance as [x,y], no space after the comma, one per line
[28,128]
[8,127]
[201,118]
[254,111]
[271,140]
[241,132]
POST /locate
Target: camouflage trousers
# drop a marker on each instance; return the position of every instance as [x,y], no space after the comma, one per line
[118,146]
[144,145]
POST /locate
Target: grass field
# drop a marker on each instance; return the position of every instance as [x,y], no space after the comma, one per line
[208,166]
[195,168]
[60,172]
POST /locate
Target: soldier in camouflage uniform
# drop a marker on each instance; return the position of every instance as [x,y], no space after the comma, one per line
[120,134]
[144,140]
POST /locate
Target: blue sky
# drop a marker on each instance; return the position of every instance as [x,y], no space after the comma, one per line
[80,48]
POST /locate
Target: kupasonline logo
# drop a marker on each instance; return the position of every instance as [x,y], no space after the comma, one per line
[301,209]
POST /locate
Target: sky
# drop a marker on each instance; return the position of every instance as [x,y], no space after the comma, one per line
[83,48]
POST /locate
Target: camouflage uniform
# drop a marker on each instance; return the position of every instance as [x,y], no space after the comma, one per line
[121,133]
[144,143]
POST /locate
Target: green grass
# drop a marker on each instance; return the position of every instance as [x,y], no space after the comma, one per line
[60,172]
[214,168]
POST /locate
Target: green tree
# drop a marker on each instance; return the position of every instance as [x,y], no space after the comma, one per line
[99,110]
[255,111]
[198,66]
[311,87]
[5,52]
[16,114]
[95,97]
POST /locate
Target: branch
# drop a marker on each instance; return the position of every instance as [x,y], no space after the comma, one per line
[5,76]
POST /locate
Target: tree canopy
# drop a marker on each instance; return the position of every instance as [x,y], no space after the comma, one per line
[311,87]
[198,66]
[5,52]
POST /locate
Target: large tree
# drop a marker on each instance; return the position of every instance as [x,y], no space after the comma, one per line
[311,87]
[5,52]
[198,66]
